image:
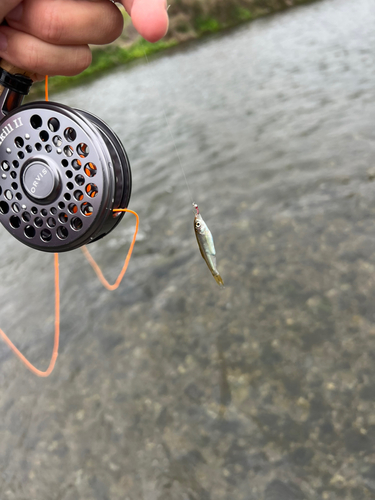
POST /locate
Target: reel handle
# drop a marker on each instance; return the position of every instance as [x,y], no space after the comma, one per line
[15,84]
[13,70]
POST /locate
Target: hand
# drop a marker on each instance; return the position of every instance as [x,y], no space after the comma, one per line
[51,37]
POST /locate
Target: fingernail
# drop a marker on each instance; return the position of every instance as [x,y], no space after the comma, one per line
[3,42]
[16,13]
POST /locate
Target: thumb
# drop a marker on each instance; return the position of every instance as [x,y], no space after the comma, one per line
[149,17]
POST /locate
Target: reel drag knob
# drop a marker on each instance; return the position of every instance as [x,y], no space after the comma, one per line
[41,180]
[62,172]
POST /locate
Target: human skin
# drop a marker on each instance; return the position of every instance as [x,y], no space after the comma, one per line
[52,37]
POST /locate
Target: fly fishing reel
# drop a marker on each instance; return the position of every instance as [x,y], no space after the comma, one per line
[62,171]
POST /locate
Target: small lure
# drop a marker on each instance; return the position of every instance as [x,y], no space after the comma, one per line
[206,245]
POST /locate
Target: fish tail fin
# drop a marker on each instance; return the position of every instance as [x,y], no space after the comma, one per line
[219,280]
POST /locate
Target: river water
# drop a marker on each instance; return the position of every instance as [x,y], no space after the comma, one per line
[171,388]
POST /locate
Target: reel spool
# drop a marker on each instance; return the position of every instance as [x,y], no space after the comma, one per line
[62,171]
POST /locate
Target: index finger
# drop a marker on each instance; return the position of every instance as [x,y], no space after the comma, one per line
[149,17]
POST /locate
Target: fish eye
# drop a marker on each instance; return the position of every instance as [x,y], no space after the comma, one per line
[197,224]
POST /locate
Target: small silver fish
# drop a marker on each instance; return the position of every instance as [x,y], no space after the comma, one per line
[206,245]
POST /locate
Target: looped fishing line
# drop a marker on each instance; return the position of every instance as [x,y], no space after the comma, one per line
[96,267]
[101,277]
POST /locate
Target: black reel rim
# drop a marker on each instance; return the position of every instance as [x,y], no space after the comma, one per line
[121,165]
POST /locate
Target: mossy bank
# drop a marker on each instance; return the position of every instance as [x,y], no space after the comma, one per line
[189,19]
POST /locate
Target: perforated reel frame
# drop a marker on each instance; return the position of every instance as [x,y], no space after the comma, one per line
[62,172]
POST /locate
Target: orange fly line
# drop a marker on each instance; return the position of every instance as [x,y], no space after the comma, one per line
[18,353]
[100,275]
[96,267]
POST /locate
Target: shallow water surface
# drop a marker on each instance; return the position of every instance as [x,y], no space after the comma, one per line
[171,388]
